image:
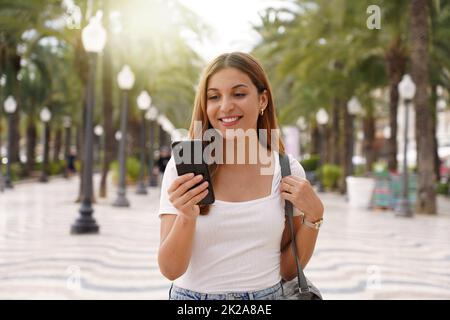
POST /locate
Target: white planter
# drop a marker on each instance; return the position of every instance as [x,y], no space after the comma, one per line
[360,190]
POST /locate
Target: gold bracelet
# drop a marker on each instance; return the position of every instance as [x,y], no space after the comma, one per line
[315,225]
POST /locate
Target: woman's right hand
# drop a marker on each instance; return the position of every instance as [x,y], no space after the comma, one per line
[185,200]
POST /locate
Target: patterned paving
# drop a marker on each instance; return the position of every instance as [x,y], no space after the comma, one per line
[359,255]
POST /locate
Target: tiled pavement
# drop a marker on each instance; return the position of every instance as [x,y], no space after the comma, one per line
[359,255]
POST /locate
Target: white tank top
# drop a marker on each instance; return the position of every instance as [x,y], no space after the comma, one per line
[236,246]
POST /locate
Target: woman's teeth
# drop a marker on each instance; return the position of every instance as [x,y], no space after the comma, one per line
[228,120]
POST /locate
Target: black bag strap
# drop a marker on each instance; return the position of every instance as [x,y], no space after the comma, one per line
[288,207]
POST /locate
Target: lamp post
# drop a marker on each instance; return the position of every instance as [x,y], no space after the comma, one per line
[118,135]
[10,107]
[322,120]
[98,130]
[354,108]
[143,101]
[407,90]
[94,39]
[125,79]
[2,183]
[302,125]
[67,123]
[152,115]
[45,115]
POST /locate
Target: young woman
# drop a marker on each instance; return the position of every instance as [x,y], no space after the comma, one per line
[238,247]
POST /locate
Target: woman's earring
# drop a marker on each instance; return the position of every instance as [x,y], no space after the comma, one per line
[262,112]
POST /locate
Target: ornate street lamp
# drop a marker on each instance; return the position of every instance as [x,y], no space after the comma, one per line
[152,115]
[98,130]
[125,79]
[301,123]
[45,115]
[10,107]
[143,101]
[94,40]
[407,90]
[322,120]
[441,105]
[354,108]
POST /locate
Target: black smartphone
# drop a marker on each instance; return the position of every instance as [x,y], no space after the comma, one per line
[188,156]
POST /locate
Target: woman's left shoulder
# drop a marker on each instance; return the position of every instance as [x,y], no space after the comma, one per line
[296,167]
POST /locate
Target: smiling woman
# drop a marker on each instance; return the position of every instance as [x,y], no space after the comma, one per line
[238,247]
[229,88]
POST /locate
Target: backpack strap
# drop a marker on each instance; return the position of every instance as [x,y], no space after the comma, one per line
[286,171]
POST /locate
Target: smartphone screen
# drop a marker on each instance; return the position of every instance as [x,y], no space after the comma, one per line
[188,156]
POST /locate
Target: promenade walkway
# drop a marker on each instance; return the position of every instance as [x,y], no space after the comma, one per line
[360,254]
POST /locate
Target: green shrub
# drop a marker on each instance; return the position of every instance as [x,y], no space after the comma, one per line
[379,166]
[37,166]
[56,167]
[329,174]
[77,165]
[311,164]
[442,188]
[359,170]
[16,171]
[132,170]
[53,168]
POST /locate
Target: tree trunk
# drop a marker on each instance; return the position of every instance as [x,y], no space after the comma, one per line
[31,145]
[369,140]
[57,145]
[315,142]
[426,199]
[395,60]
[161,136]
[107,85]
[15,138]
[46,149]
[335,133]
[346,147]
[434,112]
[329,136]
[134,130]
[67,147]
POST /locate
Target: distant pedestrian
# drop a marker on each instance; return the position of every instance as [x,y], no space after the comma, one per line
[71,157]
[161,163]
[164,157]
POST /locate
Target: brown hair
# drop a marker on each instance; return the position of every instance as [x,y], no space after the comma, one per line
[253,69]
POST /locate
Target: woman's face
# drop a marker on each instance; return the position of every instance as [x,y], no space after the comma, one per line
[233,101]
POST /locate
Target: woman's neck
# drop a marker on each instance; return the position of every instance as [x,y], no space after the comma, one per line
[244,154]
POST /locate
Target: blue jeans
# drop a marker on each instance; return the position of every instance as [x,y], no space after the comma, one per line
[271,293]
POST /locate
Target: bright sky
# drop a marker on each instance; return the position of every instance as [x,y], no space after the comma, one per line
[231,22]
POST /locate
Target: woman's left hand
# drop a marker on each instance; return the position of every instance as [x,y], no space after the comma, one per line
[300,192]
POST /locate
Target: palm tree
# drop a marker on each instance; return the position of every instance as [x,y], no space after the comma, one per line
[426,202]
[321,60]
[16,17]
[107,85]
